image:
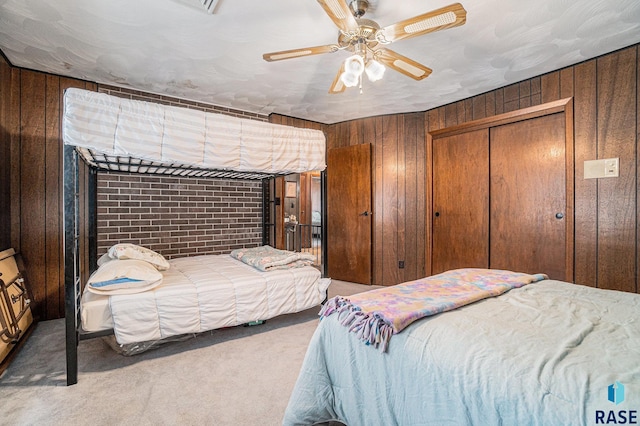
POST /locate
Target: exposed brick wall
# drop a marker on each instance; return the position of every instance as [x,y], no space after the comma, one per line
[167,100]
[178,216]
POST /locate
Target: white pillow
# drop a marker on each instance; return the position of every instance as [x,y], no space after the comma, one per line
[104,259]
[124,277]
[125,251]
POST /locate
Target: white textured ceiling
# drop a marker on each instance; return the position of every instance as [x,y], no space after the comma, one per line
[175,47]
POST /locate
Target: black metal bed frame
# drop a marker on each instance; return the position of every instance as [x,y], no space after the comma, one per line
[72,226]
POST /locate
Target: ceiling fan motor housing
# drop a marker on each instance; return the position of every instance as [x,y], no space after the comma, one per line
[359,7]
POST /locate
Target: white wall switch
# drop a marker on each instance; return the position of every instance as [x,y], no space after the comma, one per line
[608,167]
[611,167]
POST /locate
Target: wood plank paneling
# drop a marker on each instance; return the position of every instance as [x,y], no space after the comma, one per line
[536,96]
[586,190]
[525,94]
[402,142]
[5,155]
[451,114]
[606,121]
[637,195]
[378,202]
[410,256]
[32,190]
[499,101]
[479,107]
[390,197]
[511,98]
[490,104]
[550,87]
[14,139]
[421,194]
[578,81]
[53,202]
[616,102]
[460,112]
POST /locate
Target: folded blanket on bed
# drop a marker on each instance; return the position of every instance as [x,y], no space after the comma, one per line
[377,314]
[267,258]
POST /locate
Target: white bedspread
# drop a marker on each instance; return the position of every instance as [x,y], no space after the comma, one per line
[544,354]
[203,293]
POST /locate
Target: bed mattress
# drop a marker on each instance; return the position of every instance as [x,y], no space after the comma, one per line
[549,353]
[203,293]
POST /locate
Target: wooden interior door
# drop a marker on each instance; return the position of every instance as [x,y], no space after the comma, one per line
[528,196]
[349,213]
[460,201]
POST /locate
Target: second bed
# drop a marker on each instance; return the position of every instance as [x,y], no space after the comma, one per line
[202,293]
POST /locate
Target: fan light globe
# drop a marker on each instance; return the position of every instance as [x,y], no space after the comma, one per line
[374,70]
[349,79]
[354,64]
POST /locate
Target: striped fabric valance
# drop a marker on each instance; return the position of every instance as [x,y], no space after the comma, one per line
[118,127]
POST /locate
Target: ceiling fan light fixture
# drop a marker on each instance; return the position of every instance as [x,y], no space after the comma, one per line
[354,64]
[349,79]
[375,70]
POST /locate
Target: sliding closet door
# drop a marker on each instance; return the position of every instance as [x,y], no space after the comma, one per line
[528,196]
[460,201]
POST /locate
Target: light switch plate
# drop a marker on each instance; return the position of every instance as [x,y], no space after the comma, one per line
[611,167]
[607,167]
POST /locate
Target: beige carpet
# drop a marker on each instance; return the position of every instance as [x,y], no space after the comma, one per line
[233,376]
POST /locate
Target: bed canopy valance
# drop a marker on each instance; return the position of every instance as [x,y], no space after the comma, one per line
[120,134]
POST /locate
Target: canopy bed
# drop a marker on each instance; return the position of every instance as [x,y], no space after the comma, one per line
[131,285]
[535,352]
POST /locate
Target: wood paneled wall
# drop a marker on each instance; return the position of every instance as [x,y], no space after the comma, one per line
[31,118]
[6,101]
[607,119]
[606,124]
[399,203]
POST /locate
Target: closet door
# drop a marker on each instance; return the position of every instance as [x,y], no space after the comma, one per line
[528,196]
[460,201]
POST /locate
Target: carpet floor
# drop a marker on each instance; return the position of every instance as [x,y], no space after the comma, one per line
[233,376]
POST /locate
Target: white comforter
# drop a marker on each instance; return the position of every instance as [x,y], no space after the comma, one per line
[203,293]
[543,354]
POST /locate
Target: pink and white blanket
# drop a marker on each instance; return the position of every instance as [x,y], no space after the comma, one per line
[378,314]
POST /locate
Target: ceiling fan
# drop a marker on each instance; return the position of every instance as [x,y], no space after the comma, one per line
[366,40]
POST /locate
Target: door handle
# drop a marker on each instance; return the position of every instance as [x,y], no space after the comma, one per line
[559,215]
[366,213]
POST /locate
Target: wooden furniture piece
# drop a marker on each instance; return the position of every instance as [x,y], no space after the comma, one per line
[502,193]
[15,308]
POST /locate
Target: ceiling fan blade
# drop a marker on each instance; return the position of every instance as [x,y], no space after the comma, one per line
[402,64]
[436,20]
[338,86]
[340,14]
[296,53]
